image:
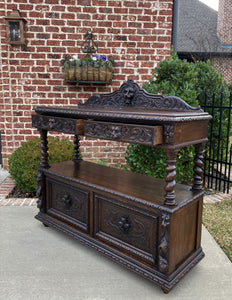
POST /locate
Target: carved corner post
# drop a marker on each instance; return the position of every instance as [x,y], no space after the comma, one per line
[198,167]
[170,182]
[77,152]
[44,165]
[163,256]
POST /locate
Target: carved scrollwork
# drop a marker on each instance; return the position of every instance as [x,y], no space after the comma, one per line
[169,134]
[124,224]
[164,243]
[54,123]
[119,132]
[116,222]
[67,201]
[131,95]
[44,165]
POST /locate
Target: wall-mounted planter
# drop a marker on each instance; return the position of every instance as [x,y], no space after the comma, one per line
[87,70]
[90,69]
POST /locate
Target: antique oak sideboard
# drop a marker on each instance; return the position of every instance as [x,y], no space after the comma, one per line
[151,226]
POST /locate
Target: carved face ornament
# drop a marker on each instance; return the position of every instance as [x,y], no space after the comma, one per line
[129,93]
[115,132]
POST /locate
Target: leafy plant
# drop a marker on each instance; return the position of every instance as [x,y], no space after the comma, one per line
[94,61]
[152,161]
[188,81]
[102,162]
[24,162]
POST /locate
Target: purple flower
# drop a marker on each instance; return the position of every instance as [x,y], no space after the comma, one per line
[102,57]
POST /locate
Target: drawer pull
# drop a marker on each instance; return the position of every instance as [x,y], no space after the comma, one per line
[124,224]
[67,201]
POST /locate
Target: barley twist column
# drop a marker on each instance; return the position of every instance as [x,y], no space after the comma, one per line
[198,165]
[170,176]
[77,152]
[44,149]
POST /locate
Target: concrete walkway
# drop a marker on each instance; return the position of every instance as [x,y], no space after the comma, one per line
[39,263]
[3,175]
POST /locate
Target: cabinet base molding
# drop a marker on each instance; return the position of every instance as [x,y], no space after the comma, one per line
[165,282]
[126,222]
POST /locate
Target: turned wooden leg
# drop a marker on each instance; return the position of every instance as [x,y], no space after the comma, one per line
[170,177]
[198,164]
[77,152]
[44,165]
[44,149]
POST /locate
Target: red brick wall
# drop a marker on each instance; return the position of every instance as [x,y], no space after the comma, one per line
[224,26]
[137,33]
[224,66]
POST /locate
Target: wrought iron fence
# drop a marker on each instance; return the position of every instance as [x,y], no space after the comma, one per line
[218,153]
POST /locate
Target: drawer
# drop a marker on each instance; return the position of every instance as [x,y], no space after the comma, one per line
[68,203]
[147,135]
[129,230]
[55,123]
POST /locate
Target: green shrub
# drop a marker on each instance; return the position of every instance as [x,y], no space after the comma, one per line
[24,162]
[189,81]
[152,161]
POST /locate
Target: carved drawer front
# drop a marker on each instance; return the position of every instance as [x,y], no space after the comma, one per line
[68,203]
[54,123]
[147,135]
[131,231]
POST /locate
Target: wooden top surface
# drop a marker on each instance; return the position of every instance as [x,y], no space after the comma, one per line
[137,187]
[126,115]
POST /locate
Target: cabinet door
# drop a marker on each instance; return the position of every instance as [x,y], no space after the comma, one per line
[130,230]
[68,203]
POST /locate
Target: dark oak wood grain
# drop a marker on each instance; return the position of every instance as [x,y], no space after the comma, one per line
[120,182]
[151,226]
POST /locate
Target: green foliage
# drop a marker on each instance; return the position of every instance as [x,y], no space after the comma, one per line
[88,61]
[102,162]
[174,77]
[24,162]
[211,84]
[189,81]
[152,161]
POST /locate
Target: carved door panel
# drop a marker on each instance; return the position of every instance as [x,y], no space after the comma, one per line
[68,203]
[131,231]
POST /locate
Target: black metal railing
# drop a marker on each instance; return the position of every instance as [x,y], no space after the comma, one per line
[218,152]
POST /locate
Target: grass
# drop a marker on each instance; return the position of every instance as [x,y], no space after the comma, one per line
[217,218]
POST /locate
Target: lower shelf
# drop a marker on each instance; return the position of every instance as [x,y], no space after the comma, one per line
[121,215]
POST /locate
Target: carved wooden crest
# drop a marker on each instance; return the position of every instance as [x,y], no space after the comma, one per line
[131,95]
